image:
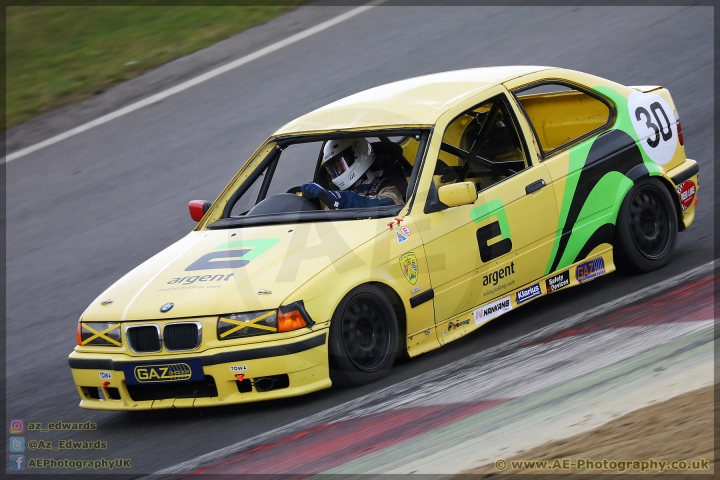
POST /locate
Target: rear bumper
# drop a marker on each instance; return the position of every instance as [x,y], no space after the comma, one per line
[297,366]
[688,171]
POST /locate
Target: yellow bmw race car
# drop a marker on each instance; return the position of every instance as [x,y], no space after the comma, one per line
[387,223]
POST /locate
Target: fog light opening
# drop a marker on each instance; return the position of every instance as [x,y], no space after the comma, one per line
[113,393]
[244,386]
[93,393]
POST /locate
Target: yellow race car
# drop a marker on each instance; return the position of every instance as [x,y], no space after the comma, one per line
[501,185]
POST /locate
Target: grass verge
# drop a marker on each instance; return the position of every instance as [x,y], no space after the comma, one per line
[57,55]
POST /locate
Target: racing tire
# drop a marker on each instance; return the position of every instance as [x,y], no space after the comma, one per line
[646,228]
[363,337]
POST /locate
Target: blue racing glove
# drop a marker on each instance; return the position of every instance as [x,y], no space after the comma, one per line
[312,190]
[332,198]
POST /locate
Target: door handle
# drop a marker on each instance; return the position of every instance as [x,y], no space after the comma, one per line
[535,186]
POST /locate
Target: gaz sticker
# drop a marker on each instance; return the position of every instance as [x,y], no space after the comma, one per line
[589,270]
[655,125]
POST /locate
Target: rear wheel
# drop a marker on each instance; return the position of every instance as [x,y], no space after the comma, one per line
[646,228]
[363,337]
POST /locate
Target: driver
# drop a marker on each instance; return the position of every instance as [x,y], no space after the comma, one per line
[349,163]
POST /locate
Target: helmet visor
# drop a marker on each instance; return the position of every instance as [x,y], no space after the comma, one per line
[340,162]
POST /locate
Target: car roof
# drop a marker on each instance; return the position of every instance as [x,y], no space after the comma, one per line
[414,101]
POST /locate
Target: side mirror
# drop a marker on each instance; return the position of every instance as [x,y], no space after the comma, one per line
[463,193]
[198,209]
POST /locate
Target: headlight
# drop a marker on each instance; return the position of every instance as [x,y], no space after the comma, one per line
[99,334]
[239,325]
[285,319]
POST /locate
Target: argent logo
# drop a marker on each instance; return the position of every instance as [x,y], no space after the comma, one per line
[498,274]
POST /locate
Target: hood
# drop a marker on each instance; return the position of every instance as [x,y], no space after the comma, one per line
[213,272]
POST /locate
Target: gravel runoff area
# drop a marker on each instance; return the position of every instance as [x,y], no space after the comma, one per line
[677,429]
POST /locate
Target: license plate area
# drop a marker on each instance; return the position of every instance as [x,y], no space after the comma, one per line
[163,372]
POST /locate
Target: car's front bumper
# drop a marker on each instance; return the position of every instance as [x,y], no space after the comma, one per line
[301,363]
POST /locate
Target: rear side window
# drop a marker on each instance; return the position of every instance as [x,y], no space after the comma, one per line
[562,114]
[482,146]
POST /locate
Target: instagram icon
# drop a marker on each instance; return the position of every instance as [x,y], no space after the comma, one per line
[17,425]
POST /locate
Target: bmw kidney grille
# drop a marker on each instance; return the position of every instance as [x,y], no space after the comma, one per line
[176,337]
[182,336]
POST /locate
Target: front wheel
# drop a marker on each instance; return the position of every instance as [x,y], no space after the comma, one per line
[363,337]
[646,228]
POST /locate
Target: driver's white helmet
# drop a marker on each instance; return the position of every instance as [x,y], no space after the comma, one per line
[347,160]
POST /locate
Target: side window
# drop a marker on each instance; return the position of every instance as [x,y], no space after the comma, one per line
[481,145]
[561,114]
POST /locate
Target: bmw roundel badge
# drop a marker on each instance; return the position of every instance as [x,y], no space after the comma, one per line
[166,308]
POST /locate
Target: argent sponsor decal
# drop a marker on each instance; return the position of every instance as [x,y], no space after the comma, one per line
[495,276]
[200,278]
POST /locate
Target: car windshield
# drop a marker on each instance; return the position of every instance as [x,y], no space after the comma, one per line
[286,182]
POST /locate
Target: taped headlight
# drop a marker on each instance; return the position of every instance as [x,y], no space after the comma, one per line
[240,325]
[99,334]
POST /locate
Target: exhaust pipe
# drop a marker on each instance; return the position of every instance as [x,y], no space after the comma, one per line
[264,384]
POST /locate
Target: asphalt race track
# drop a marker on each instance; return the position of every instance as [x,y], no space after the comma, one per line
[83,212]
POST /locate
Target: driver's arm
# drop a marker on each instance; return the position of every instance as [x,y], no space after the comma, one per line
[343,199]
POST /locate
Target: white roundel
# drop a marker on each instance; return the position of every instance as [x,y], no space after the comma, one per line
[655,125]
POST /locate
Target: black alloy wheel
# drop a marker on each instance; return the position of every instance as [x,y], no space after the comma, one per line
[646,228]
[649,223]
[366,333]
[363,337]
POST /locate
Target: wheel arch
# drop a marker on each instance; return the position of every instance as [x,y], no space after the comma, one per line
[400,314]
[667,183]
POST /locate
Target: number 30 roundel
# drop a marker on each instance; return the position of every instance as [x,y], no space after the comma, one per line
[655,125]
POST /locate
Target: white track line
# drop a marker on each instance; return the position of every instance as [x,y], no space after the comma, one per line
[355,407]
[194,81]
